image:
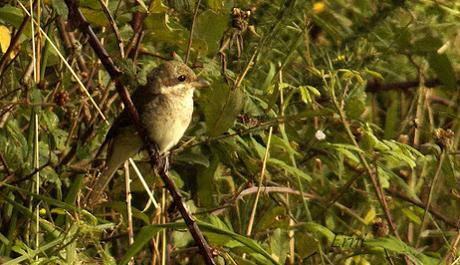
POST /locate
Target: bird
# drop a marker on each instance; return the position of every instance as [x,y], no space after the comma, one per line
[165,107]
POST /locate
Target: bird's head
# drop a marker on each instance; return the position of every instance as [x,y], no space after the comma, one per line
[174,77]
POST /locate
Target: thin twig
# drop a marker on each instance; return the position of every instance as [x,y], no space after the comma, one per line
[5,166]
[70,45]
[27,177]
[374,86]
[430,194]
[362,158]
[245,71]
[14,41]
[433,211]
[128,207]
[144,183]
[192,27]
[452,252]
[261,179]
[310,196]
[85,90]
[136,24]
[113,25]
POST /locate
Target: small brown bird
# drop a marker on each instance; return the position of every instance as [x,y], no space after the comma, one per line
[165,106]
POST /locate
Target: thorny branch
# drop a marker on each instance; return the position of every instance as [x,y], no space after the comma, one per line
[157,162]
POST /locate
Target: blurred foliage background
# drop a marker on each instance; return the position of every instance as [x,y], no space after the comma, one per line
[329,134]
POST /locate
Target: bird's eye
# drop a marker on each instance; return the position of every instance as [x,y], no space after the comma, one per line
[182,78]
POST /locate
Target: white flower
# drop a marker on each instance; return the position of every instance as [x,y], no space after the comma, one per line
[320,135]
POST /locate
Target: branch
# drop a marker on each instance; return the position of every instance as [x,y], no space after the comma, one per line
[190,37]
[158,164]
[374,86]
[433,210]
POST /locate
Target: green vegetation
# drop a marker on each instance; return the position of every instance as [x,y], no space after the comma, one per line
[329,133]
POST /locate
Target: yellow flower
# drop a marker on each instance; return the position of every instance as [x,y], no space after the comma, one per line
[319,7]
[340,58]
[42,211]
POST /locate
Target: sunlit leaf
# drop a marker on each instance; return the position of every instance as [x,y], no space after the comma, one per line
[5,38]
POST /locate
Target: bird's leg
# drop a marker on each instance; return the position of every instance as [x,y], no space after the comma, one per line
[166,162]
[163,163]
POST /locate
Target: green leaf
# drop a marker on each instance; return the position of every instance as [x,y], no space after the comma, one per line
[159,27]
[393,244]
[439,63]
[29,255]
[121,208]
[346,150]
[11,15]
[220,105]
[193,158]
[216,4]
[250,246]
[95,17]
[205,188]
[320,231]
[156,6]
[268,218]
[279,245]
[442,66]
[412,216]
[211,35]
[142,238]
[426,44]
[60,7]
[267,84]
[290,169]
[306,245]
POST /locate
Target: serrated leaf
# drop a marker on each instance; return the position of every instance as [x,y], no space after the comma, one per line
[159,28]
[279,245]
[393,244]
[426,44]
[211,35]
[306,245]
[156,6]
[267,219]
[439,63]
[443,68]
[220,105]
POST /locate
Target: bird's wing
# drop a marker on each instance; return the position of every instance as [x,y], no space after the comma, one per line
[139,98]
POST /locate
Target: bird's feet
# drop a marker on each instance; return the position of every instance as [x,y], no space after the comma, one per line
[163,163]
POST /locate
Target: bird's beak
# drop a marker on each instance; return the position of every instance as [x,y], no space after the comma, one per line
[200,83]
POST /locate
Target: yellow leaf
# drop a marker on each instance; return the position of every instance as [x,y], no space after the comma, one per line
[5,38]
[370,215]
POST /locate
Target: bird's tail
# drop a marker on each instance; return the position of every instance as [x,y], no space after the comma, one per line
[98,186]
[120,149]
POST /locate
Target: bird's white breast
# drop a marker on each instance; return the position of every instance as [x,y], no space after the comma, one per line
[172,114]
